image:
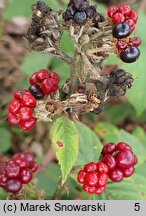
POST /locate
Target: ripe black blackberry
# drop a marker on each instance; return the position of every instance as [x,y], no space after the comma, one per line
[121,30]
[80,18]
[79,11]
[36,92]
[130,55]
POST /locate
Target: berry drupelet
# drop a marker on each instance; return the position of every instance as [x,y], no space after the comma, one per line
[18,171]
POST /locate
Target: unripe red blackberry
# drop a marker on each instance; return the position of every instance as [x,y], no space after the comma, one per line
[94,177]
[91,178]
[81,176]
[118,18]
[92,166]
[80,18]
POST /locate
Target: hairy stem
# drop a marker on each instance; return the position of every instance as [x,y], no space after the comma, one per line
[59,190]
[74,73]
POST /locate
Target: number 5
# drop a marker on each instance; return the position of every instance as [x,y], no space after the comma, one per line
[137,207]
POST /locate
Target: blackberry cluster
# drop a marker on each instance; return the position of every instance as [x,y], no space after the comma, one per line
[43,83]
[94,177]
[79,11]
[125,20]
[21,110]
[120,160]
[18,171]
[117,162]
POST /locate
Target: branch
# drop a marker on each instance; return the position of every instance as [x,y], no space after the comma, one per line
[58,53]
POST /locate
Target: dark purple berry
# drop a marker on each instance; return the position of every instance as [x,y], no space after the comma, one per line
[13,185]
[129,55]
[83,7]
[77,3]
[121,30]
[101,17]
[80,18]
[91,11]
[69,13]
[36,92]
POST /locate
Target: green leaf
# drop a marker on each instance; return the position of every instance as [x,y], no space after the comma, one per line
[112,59]
[3,194]
[117,113]
[138,148]
[136,95]
[89,145]
[65,141]
[140,133]
[5,142]
[35,61]
[49,179]
[107,131]
[62,69]
[133,188]
[67,44]
[141,169]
